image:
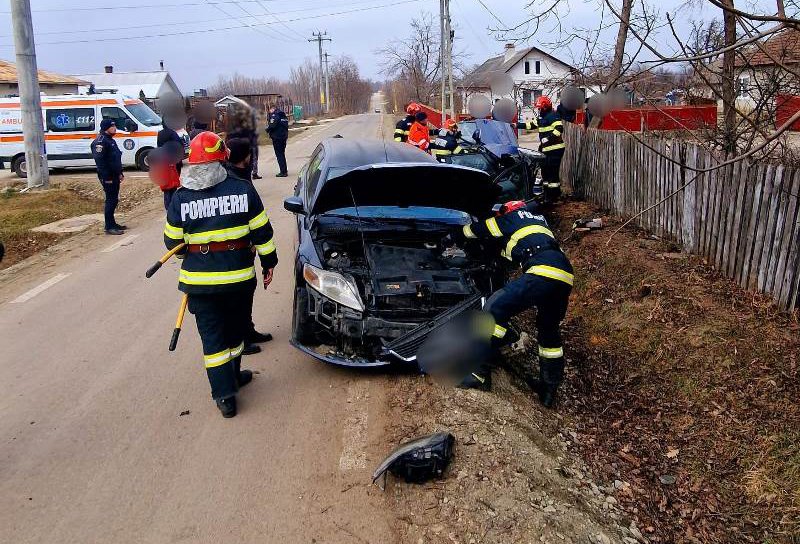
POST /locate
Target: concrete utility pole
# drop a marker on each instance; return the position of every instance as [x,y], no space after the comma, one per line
[442,54]
[319,37]
[327,86]
[450,36]
[30,102]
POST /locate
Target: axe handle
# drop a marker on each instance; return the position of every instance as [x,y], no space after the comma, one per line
[173,343]
[153,269]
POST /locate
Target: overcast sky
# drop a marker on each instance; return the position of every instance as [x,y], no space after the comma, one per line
[201,39]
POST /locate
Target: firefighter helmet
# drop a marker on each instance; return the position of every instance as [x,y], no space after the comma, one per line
[413,108]
[451,124]
[511,206]
[543,103]
[207,147]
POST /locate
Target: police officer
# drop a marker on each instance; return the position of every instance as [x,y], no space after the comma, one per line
[108,158]
[403,126]
[524,238]
[278,130]
[551,143]
[447,141]
[221,219]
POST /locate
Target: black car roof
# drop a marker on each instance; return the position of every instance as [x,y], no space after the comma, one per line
[343,152]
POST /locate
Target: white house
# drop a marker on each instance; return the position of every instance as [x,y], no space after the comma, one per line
[534,72]
[152,84]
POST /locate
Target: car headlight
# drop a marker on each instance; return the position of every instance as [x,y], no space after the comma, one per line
[334,286]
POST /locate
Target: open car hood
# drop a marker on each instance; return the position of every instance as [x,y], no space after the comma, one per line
[409,184]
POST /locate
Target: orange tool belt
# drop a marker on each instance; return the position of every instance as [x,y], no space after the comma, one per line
[218,246]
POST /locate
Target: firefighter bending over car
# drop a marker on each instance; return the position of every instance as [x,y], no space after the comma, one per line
[550,128]
[222,221]
[447,141]
[524,238]
[420,134]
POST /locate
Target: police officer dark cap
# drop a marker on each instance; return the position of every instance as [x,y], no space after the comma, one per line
[105,124]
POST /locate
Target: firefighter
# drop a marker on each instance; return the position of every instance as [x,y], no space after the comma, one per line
[550,128]
[447,141]
[221,219]
[108,159]
[419,134]
[524,238]
[403,126]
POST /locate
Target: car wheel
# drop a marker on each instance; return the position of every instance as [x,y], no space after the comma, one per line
[142,160]
[303,326]
[19,166]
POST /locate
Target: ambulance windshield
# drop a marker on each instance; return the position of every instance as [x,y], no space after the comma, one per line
[144,114]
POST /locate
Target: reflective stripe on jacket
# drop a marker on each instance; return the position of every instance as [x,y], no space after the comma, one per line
[228,211]
[550,128]
[525,239]
[402,127]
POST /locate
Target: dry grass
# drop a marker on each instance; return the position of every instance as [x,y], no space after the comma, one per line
[666,355]
[21,212]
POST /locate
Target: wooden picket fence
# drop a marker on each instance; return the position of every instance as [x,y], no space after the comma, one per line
[744,218]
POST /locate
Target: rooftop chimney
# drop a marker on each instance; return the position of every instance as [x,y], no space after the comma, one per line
[509,52]
[109,69]
[161,64]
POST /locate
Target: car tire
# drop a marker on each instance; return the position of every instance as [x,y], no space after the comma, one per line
[18,165]
[141,159]
[303,326]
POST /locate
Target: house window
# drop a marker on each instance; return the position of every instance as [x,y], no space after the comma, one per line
[538,67]
[527,99]
[744,85]
[527,67]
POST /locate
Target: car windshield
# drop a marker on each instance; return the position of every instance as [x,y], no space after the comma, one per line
[467,129]
[413,213]
[143,114]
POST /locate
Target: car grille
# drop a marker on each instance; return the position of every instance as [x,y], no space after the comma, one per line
[407,345]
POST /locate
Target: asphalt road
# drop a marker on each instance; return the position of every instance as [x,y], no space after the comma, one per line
[93,446]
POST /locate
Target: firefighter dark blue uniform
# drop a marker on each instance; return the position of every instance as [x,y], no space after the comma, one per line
[108,159]
[222,221]
[551,142]
[447,142]
[524,238]
[402,127]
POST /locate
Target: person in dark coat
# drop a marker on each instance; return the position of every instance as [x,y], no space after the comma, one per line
[108,159]
[278,130]
[239,166]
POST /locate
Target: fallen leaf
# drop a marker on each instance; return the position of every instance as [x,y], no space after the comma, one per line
[673,453]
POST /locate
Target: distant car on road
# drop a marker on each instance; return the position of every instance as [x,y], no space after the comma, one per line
[377,110]
[373,277]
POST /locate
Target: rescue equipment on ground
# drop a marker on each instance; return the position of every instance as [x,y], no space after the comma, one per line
[419,460]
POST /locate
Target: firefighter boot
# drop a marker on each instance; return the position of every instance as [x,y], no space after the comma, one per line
[243,377]
[227,407]
[551,374]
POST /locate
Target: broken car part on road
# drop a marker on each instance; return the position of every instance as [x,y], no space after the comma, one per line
[419,460]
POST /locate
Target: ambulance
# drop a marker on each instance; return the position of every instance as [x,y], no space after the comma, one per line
[71,122]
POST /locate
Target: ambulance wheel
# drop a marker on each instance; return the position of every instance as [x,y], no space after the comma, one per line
[19,166]
[142,163]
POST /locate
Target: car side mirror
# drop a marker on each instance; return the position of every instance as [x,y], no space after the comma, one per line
[130,126]
[294,204]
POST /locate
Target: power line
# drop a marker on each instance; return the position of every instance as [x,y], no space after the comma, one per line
[187,32]
[102,8]
[203,21]
[277,20]
[492,14]
[275,30]
[240,19]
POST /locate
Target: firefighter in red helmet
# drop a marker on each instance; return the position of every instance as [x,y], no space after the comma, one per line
[222,221]
[551,142]
[523,237]
[403,126]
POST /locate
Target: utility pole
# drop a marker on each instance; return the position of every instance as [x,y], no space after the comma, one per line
[327,86]
[442,54]
[450,36]
[319,37]
[29,100]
